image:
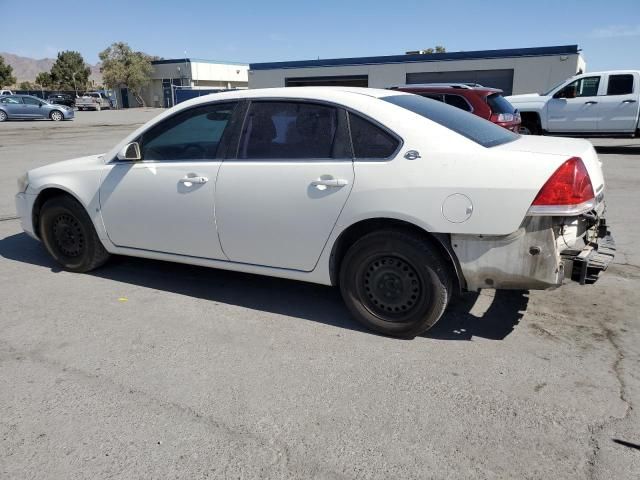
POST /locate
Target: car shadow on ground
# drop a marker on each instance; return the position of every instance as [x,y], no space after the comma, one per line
[630,149]
[285,297]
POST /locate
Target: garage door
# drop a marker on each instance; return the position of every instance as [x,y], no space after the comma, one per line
[333,81]
[502,79]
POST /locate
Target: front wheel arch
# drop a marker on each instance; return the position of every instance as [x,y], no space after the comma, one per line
[42,197]
[359,229]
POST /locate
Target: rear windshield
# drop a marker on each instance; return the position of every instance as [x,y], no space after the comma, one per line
[498,104]
[468,125]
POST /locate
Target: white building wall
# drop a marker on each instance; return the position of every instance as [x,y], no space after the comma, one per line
[531,74]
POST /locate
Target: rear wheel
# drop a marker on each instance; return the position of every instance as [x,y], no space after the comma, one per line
[395,283]
[56,115]
[69,236]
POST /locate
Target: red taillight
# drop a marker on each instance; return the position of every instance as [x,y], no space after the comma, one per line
[570,185]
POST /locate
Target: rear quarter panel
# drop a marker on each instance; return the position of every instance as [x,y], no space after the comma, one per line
[500,185]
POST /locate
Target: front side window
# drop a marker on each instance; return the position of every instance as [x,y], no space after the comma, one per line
[620,85]
[293,130]
[369,140]
[457,101]
[583,87]
[466,124]
[31,101]
[193,134]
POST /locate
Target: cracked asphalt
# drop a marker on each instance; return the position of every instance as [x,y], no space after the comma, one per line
[146,369]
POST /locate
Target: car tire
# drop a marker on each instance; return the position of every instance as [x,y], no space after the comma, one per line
[529,128]
[3,116]
[395,283]
[69,235]
[56,115]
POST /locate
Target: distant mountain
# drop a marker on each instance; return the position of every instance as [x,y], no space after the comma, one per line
[26,69]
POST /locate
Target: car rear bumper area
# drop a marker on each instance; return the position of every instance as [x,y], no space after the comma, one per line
[584,266]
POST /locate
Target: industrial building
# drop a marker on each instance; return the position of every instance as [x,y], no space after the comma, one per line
[518,70]
[177,79]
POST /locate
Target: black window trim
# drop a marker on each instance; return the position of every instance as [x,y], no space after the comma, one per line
[339,106]
[223,146]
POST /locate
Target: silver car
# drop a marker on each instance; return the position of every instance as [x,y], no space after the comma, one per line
[29,107]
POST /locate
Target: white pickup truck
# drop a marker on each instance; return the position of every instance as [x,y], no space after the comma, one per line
[93,101]
[589,104]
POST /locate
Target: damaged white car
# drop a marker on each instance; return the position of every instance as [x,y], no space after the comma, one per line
[399,200]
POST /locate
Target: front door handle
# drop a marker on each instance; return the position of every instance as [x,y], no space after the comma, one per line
[590,102]
[628,101]
[330,182]
[188,181]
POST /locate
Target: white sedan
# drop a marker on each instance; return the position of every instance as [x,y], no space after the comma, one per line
[399,200]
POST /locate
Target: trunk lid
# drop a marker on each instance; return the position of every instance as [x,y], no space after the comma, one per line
[566,147]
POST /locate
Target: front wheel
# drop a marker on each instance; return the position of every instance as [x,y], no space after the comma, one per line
[56,116]
[395,283]
[3,116]
[69,236]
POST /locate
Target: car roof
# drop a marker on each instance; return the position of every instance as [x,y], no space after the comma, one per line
[447,88]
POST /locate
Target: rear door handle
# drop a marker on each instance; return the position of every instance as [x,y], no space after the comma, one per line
[193,180]
[590,102]
[330,182]
[628,101]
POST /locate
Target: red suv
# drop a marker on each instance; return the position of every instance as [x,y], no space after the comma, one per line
[485,102]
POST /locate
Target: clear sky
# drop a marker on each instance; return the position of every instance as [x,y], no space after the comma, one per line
[608,31]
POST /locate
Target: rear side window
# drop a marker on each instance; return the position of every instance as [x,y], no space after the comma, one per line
[433,96]
[466,124]
[457,101]
[498,104]
[369,140]
[293,130]
[620,85]
[12,100]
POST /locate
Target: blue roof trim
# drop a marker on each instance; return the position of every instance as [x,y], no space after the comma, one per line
[195,60]
[431,57]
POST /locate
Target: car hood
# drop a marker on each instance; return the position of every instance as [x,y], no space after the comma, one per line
[91,162]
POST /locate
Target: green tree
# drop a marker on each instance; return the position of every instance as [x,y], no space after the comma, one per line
[25,86]
[6,74]
[44,80]
[124,67]
[69,72]
[437,49]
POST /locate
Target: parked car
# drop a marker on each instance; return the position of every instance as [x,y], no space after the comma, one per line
[28,107]
[5,92]
[93,101]
[62,99]
[598,103]
[487,103]
[399,200]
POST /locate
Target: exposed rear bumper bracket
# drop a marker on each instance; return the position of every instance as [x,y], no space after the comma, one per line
[586,265]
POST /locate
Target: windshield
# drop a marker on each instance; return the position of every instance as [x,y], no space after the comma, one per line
[548,92]
[466,124]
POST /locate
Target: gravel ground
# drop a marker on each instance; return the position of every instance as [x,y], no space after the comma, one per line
[146,369]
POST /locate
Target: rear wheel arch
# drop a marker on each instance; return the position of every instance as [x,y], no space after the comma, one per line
[354,232]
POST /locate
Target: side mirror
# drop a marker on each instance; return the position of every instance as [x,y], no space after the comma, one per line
[130,152]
